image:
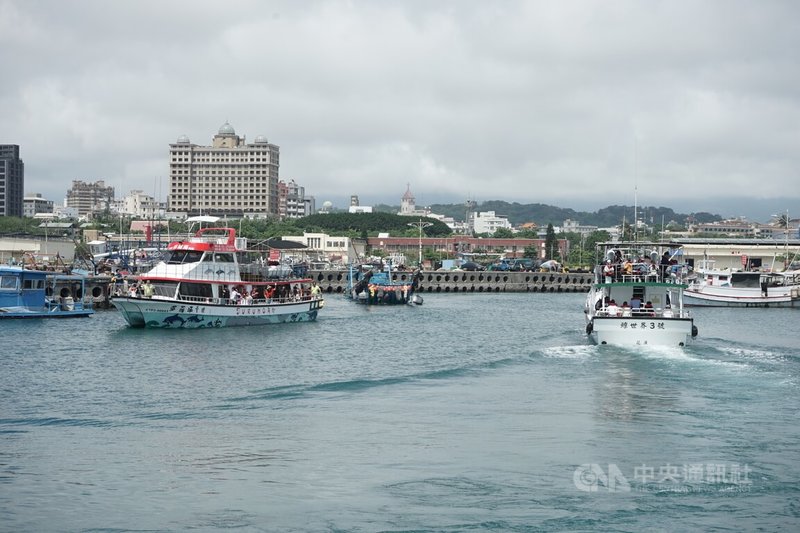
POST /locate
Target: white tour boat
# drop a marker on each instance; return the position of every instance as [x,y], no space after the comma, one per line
[637,296]
[211,281]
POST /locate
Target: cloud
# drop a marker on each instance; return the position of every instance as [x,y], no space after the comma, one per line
[573,103]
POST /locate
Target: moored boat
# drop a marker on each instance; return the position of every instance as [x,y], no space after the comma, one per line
[725,288]
[28,293]
[211,280]
[636,297]
[376,287]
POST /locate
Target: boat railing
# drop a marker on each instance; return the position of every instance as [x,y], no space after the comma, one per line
[242,302]
[642,313]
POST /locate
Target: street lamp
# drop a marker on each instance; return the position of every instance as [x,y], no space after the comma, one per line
[785,223]
[420,225]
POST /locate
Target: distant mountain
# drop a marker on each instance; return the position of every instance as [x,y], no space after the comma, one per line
[543,214]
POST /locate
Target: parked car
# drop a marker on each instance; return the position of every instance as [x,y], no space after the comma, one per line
[524,264]
[499,265]
[471,266]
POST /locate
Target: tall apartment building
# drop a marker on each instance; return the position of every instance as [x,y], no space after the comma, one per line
[296,206]
[12,181]
[230,177]
[87,197]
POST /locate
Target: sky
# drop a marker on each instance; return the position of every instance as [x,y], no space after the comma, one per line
[688,104]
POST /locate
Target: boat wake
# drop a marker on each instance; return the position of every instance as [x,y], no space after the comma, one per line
[300,391]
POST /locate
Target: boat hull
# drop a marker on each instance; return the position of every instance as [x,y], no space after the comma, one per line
[709,299]
[53,312]
[641,331]
[177,314]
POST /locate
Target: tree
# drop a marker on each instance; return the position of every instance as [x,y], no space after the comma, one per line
[551,244]
[503,233]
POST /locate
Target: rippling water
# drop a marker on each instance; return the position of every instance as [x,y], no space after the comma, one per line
[484,412]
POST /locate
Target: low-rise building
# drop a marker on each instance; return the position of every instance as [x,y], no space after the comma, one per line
[34,204]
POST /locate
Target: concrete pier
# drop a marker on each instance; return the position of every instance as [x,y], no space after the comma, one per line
[335,281]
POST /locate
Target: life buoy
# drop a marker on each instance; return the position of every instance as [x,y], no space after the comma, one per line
[694,331]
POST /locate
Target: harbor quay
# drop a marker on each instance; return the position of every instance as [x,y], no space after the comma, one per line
[100,288]
[454,281]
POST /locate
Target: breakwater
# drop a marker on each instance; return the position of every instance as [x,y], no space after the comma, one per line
[100,288]
[335,281]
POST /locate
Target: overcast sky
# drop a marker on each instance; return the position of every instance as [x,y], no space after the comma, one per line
[694,105]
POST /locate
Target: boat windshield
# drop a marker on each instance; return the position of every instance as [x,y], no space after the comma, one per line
[179,257]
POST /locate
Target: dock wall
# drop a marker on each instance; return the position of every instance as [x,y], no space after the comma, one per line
[335,281]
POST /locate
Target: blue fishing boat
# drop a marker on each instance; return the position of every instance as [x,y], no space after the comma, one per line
[38,294]
[377,287]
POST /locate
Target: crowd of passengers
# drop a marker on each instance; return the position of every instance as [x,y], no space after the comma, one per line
[638,268]
[634,309]
[296,292]
[239,295]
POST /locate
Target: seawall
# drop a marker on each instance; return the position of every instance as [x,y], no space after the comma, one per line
[335,281]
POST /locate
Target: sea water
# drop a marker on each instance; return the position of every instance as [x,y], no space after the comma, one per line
[483,412]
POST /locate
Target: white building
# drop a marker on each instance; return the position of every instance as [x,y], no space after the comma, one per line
[488,222]
[230,177]
[408,205]
[332,248]
[139,205]
[573,226]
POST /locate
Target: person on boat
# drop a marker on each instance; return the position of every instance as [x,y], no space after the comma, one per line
[664,265]
[648,309]
[636,305]
[132,291]
[627,268]
[626,309]
[147,289]
[235,296]
[613,309]
[608,271]
[315,290]
[667,311]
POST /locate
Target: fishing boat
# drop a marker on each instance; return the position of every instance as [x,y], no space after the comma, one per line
[376,286]
[28,293]
[713,287]
[212,280]
[636,297]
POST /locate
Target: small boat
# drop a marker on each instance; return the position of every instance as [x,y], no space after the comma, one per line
[28,293]
[636,297]
[725,288]
[376,287]
[211,280]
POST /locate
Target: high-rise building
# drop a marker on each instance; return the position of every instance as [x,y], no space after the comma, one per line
[88,197]
[12,181]
[230,177]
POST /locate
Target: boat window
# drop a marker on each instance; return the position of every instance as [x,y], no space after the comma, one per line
[179,257]
[8,282]
[208,257]
[198,290]
[32,284]
[192,257]
[223,258]
[175,258]
[163,288]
